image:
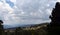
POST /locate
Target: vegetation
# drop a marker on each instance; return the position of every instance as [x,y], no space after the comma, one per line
[38,29]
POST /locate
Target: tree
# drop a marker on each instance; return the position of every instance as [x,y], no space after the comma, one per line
[1,27]
[54,27]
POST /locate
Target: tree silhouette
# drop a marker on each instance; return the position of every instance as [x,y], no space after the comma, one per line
[1,27]
[54,27]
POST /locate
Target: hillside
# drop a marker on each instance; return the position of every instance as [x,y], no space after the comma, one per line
[37,29]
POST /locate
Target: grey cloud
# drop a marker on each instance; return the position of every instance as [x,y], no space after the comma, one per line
[38,8]
[34,6]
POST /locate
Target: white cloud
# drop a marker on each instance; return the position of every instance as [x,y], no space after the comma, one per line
[1,4]
[5,11]
[13,1]
[27,11]
[58,0]
[9,8]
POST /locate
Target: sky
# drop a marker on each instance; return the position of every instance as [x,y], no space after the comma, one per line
[21,12]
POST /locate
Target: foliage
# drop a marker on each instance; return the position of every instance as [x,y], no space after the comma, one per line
[29,31]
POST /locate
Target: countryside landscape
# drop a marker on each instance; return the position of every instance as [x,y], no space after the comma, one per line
[38,29]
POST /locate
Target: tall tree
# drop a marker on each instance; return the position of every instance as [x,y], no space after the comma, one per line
[54,27]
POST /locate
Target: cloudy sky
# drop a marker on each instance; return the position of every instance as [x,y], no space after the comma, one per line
[20,12]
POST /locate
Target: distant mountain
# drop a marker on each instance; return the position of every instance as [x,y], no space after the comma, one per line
[28,25]
[9,26]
